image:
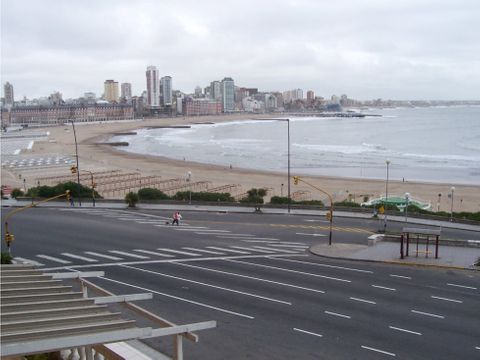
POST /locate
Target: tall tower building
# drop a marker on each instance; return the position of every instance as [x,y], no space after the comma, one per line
[111,90]
[166,85]
[8,93]
[228,94]
[215,90]
[310,95]
[126,91]
[153,90]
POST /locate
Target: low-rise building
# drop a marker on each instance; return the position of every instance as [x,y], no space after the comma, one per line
[57,115]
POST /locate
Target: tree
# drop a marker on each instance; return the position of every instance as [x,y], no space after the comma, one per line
[131,199]
[16,193]
[255,196]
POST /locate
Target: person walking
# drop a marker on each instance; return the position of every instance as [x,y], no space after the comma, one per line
[176,218]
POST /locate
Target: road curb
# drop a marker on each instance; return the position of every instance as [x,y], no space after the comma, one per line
[393,262]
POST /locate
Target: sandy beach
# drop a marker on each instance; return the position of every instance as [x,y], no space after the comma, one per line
[94,156]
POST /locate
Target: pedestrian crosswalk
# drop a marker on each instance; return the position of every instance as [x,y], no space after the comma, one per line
[228,244]
[125,255]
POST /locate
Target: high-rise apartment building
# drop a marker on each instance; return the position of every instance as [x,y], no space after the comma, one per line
[310,95]
[111,91]
[215,90]
[228,94]
[126,91]
[8,93]
[153,90]
[166,87]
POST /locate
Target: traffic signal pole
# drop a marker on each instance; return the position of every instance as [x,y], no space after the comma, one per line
[329,214]
[8,235]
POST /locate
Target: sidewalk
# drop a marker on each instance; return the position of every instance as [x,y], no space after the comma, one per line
[389,252]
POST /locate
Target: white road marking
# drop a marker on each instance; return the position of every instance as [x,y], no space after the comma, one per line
[182,299]
[179,252]
[326,265]
[463,286]
[251,249]
[337,314]
[378,350]
[446,299]
[258,241]
[405,330]
[288,270]
[250,238]
[477,347]
[204,251]
[401,276]
[51,258]
[192,228]
[210,285]
[384,288]
[27,261]
[161,261]
[102,255]
[227,250]
[308,234]
[79,257]
[307,332]
[277,250]
[206,232]
[249,277]
[160,222]
[128,254]
[291,246]
[153,253]
[428,314]
[363,300]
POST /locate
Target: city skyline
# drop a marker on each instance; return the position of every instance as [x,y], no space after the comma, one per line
[412,50]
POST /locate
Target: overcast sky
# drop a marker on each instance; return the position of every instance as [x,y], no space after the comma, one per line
[405,49]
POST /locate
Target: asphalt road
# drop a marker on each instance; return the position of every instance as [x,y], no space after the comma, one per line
[254,276]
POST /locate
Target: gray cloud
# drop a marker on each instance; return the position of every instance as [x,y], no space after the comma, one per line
[367,49]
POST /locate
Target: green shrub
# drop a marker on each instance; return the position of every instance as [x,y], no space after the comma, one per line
[6,258]
[16,193]
[152,194]
[280,200]
[204,196]
[51,191]
[311,202]
[346,203]
[131,199]
[255,196]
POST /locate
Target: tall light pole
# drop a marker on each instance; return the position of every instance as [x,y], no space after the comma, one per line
[452,189]
[78,169]
[407,198]
[189,179]
[438,203]
[288,156]
[386,200]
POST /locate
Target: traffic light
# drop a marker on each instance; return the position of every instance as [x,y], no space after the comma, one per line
[329,215]
[9,238]
[296,179]
[73,169]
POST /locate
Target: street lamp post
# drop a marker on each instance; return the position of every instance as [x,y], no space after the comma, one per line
[438,203]
[78,169]
[189,178]
[452,189]
[386,200]
[407,198]
[288,156]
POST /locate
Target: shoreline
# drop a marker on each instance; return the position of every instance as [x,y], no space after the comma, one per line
[95,156]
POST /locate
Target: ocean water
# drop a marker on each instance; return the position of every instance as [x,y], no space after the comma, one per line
[435,144]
